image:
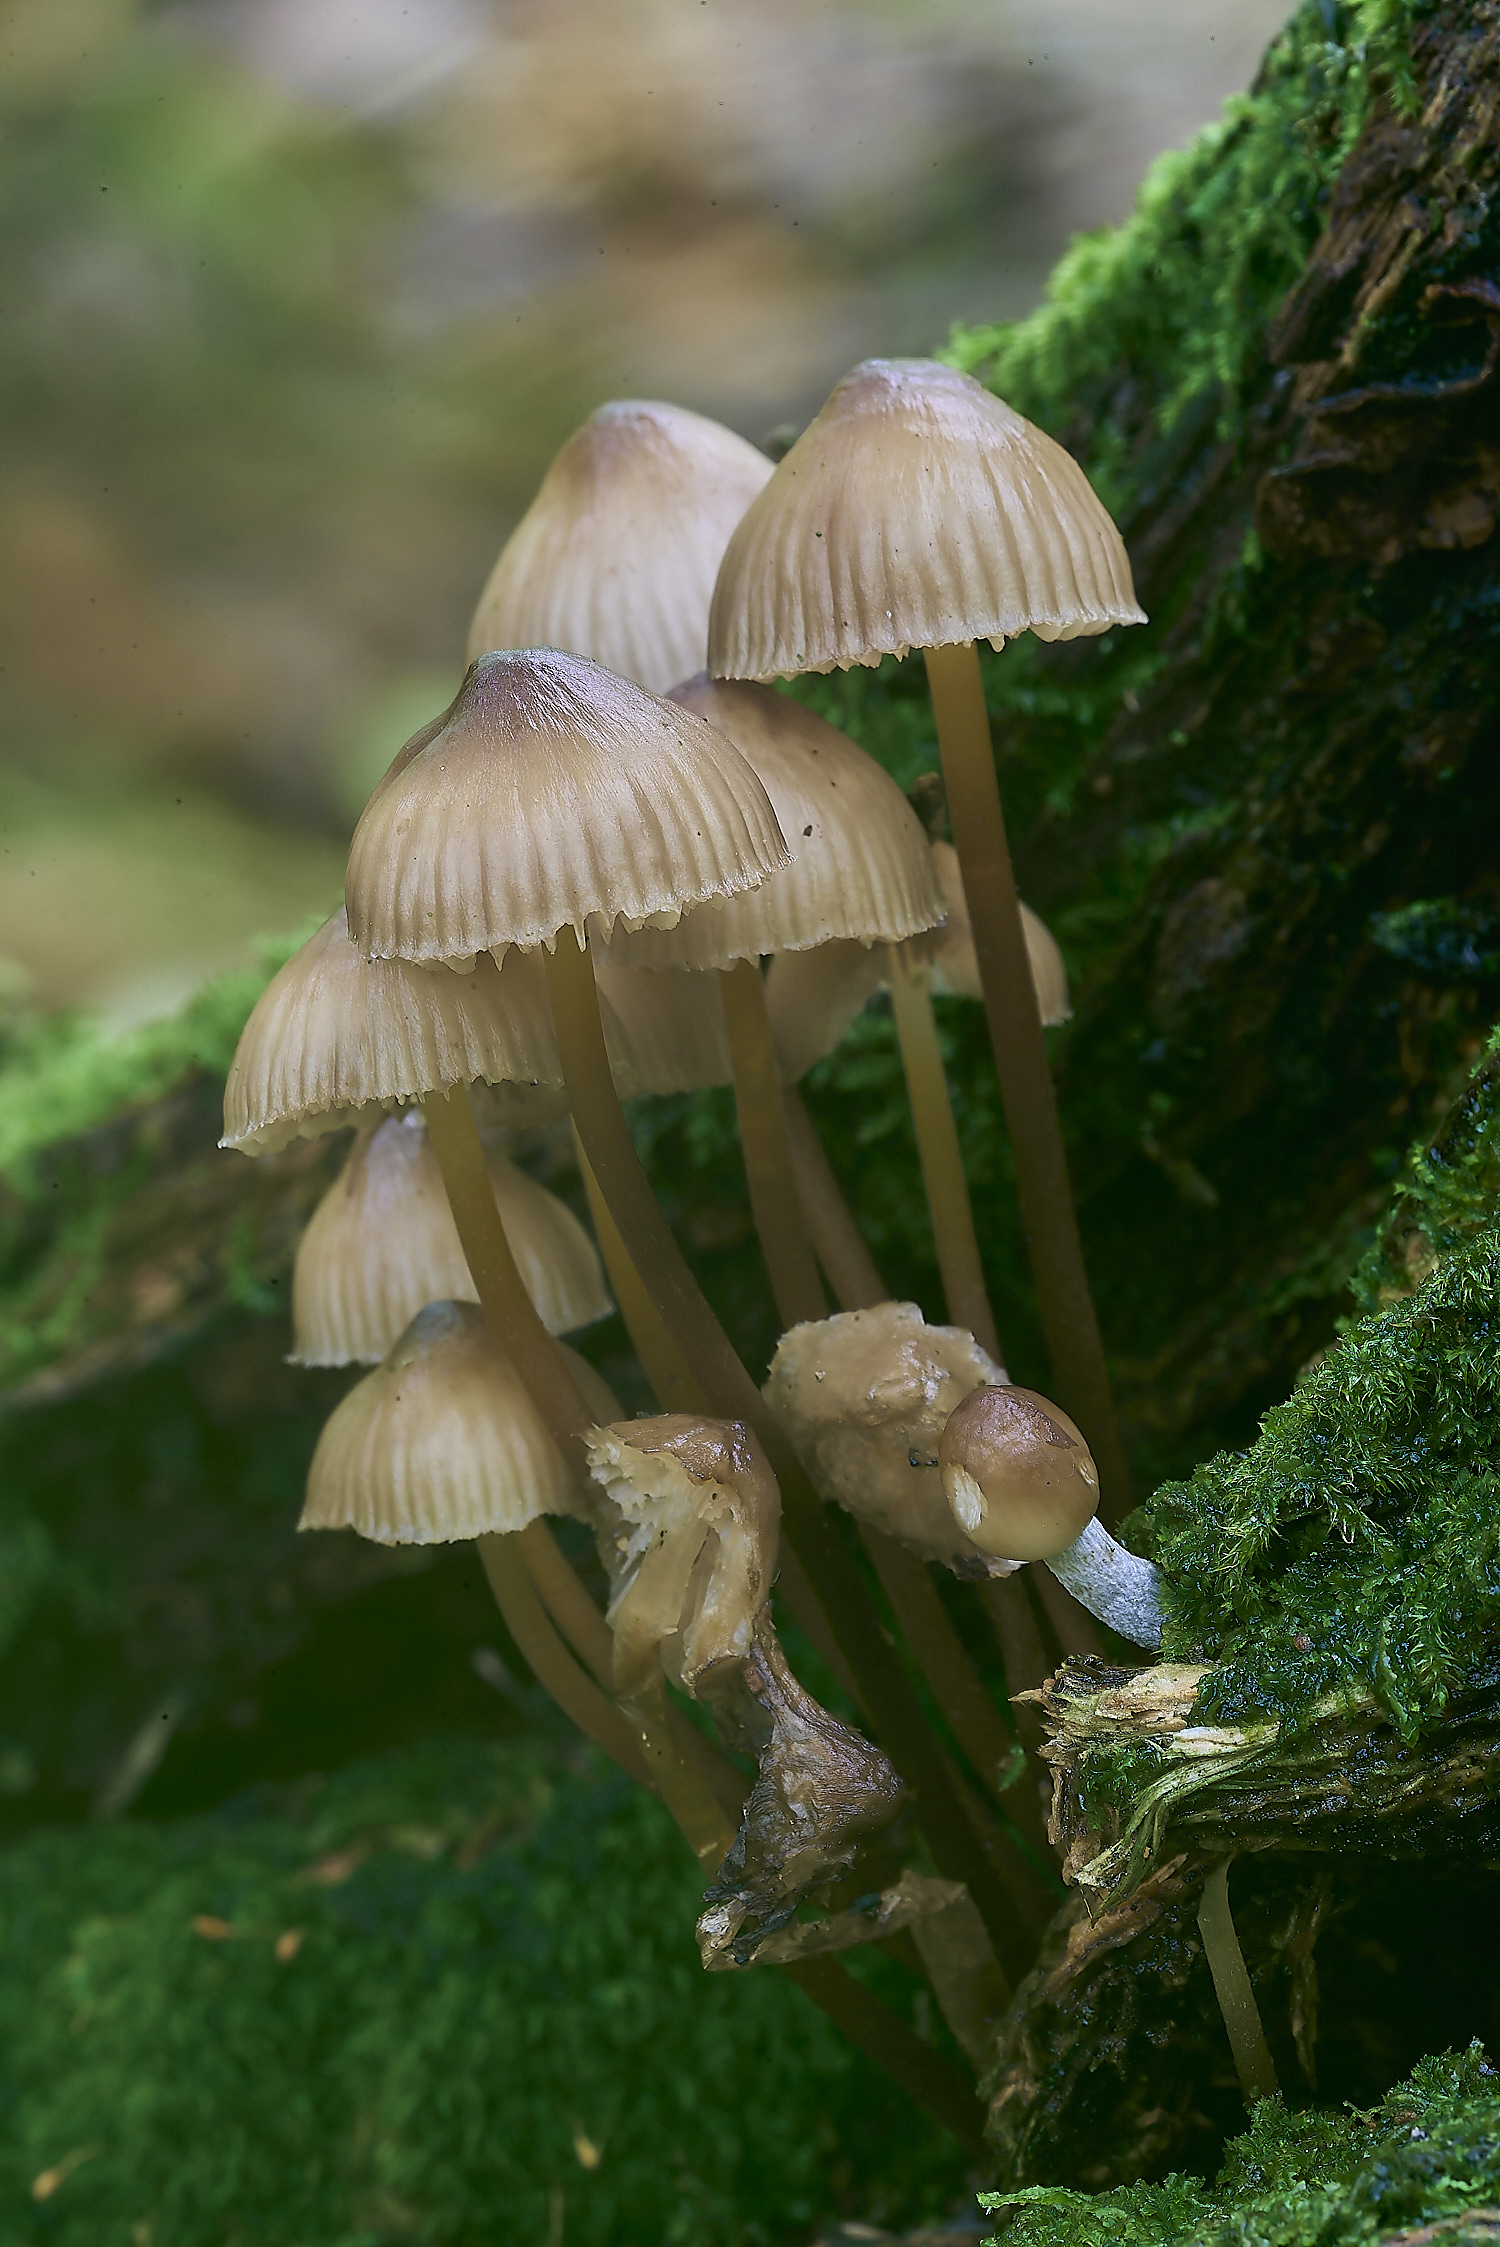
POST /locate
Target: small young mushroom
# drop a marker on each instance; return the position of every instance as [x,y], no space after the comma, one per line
[698,1511]
[865,1396]
[1022,1484]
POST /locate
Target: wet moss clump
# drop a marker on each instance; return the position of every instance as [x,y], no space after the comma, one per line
[1427,2153]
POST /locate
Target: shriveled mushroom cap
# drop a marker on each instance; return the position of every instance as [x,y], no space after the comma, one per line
[698,1515]
[441,1441]
[555,796]
[616,556]
[860,862]
[1017,1473]
[864,1396]
[949,951]
[382,1242]
[333,1040]
[916,511]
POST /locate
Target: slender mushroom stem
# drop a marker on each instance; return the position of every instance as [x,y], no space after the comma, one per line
[554,1667]
[500,1288]
[661,1361]
[1226,1962]
[931,2082]
[893,1707]
[1069,1321]
[942,1160]
[774,1199]
[848,1266]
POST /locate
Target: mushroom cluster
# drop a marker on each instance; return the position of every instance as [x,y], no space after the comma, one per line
[567,890]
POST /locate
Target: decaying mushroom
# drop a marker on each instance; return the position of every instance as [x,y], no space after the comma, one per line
[1022,1484]
[699,1512]
[865,1397]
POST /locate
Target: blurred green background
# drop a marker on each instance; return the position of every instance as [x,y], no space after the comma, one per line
[299,296]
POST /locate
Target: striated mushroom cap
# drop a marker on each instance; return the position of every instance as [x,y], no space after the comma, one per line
[382,1243]
[949,951]
[554,795]
[333,1040]
[617,554]
[1017,1474]
[916,511]
[441,1441]
[699,1515]
[865,1396]
[860,865]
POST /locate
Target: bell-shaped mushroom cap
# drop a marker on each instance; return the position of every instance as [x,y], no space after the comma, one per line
[916,511]
[812,997]
[949,951]
[441,1441]
[696,1542]
[333,1040]
[616,556]
[1017,1474]
[864,1397]
[382,1242]
[860,861]
[555,796]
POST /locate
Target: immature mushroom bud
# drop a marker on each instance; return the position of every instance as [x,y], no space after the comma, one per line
[698,1512]
[864,1396]
[1022,1484]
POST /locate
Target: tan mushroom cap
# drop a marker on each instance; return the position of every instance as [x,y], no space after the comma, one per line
[441,1441]
[617,554]
[382,1242]
[698,1517]
[333,1040]
[1017,1474]
[865,1396]
[949,951]
[663,1027]
[813,997]
[555,796]
[916,511]
[860,865]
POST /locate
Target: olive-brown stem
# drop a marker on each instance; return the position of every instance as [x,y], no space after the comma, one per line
[929,2081]
[554,1667]
[848,1266]
[498,1284]
[1048,1223]
[941,1158]
[774,1200]
[661,1361]
[1231,1977]
[893,1707]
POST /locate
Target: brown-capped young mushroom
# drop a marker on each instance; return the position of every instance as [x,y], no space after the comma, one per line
[616,556]
[1022,1485]
[865,1396]
[382,1243]
[919,511]
[698,1508]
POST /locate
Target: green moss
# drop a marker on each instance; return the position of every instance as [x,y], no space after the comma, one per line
[1431,2149]
[494,2009]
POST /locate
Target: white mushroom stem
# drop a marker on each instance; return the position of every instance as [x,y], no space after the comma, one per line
[1119,1587]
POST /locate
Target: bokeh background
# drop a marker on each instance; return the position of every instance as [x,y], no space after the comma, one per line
[297,297]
